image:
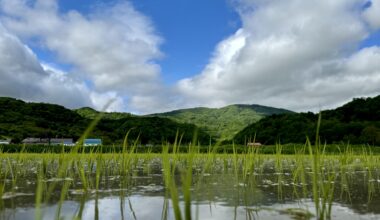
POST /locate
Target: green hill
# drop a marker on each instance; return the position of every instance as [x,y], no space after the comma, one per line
[87,112]
[223,122]
[357,122]
[19,120]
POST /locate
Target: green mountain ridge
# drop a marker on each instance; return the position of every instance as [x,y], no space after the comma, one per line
[90,113]
[221,123]
[19,120]
[225,122]
[356,122]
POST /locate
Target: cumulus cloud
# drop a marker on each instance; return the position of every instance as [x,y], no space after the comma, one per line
[296,54]
[372,14]
[18,66]
[23,76]
[301,55]
[113,47]
[160,99]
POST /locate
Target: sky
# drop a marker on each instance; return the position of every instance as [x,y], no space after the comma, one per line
[147,56]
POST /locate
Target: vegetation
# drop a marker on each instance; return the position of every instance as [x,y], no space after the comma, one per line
[357,122]
[222,123]
[19,120]
[149,130]
[190,177]
[89,113]
[286,149]
[188,173]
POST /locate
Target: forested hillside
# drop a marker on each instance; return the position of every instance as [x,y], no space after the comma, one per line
[223,122]
[19,120]
[87,112]
[357,122]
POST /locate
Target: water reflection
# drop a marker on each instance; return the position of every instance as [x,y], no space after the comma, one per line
[220,196]
[150,207]
[244,187]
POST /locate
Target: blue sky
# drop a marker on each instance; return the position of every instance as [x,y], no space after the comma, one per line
[181,23]
[152,56]
[191,30]
[372,40]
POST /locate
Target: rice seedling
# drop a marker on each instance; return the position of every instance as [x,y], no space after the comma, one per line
[248,183]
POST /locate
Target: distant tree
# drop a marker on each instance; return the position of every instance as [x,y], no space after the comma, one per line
[371,135]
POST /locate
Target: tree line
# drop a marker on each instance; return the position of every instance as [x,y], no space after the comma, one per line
[357,122]
[19,120]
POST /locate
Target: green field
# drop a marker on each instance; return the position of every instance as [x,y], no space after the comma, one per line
[333,149]
[309,184]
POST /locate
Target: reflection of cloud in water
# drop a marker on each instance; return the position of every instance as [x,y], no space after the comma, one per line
[69,209]
[109,208]
[147,207]
[214,194]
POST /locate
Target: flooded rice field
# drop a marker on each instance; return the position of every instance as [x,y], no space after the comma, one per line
[189,186]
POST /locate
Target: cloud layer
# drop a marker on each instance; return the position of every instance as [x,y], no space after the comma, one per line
[113,48]
[23,76]
[301,55]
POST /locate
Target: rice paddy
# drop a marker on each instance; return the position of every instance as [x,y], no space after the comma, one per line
[172,185]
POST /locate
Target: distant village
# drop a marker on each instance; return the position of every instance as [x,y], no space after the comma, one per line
[54,141]
[86,142]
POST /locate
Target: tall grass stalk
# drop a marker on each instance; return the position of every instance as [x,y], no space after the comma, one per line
[170,182]
[39,194]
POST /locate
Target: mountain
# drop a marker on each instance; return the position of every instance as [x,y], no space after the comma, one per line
[357,122]
[222,123]
[87,112]
[19,120]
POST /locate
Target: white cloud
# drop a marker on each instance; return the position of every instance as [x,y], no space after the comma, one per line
[372,14]
[19,67]
[301,55]
[109,101]
[112,47]
[158,100]
[22,76]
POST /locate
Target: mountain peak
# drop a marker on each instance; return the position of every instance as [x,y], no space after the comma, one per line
[222,122]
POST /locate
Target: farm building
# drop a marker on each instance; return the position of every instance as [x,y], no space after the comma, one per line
[254,144]
[62,141]
[92,142]
[49,141]
[32,140]
[5,141]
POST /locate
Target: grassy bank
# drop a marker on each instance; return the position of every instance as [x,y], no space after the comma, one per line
[229,149]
